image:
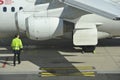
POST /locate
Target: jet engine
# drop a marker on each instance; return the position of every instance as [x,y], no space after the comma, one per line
[43,28]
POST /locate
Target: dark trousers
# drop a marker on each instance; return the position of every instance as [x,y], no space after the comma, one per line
[16,54]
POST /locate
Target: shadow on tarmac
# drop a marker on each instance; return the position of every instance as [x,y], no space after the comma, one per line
[46,54]
[113,42]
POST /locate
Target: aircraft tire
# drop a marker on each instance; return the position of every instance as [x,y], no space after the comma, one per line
[88,48]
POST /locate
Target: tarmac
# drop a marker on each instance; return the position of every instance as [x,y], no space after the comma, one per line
[61,60]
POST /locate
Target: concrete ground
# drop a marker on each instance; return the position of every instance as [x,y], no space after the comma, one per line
[60,54]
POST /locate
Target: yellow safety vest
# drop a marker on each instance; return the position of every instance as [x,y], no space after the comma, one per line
[16,44]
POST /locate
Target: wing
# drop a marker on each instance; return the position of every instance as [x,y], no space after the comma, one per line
[73,9]
[54,8]
[102,7]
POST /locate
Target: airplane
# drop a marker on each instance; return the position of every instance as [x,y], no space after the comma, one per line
[84,21]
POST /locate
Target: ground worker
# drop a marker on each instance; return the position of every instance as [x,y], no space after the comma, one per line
[17,46]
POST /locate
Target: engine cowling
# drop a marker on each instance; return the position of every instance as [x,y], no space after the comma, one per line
[44,28]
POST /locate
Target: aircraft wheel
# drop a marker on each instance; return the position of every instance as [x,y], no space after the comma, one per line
[88,48]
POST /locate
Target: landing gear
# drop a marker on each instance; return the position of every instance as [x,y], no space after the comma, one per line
[88,49]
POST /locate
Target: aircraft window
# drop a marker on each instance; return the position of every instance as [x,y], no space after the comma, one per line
[20,8]
[13,9]
[4,9]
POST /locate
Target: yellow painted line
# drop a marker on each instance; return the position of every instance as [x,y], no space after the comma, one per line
[47,72]
[85,67]
[90,74]
[67,68]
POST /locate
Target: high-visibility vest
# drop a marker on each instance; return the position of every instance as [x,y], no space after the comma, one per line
[16,44]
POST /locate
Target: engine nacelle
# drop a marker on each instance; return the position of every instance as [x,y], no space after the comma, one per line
[44,28]
[21,20]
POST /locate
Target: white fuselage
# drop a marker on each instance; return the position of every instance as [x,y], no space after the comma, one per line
[8,9]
